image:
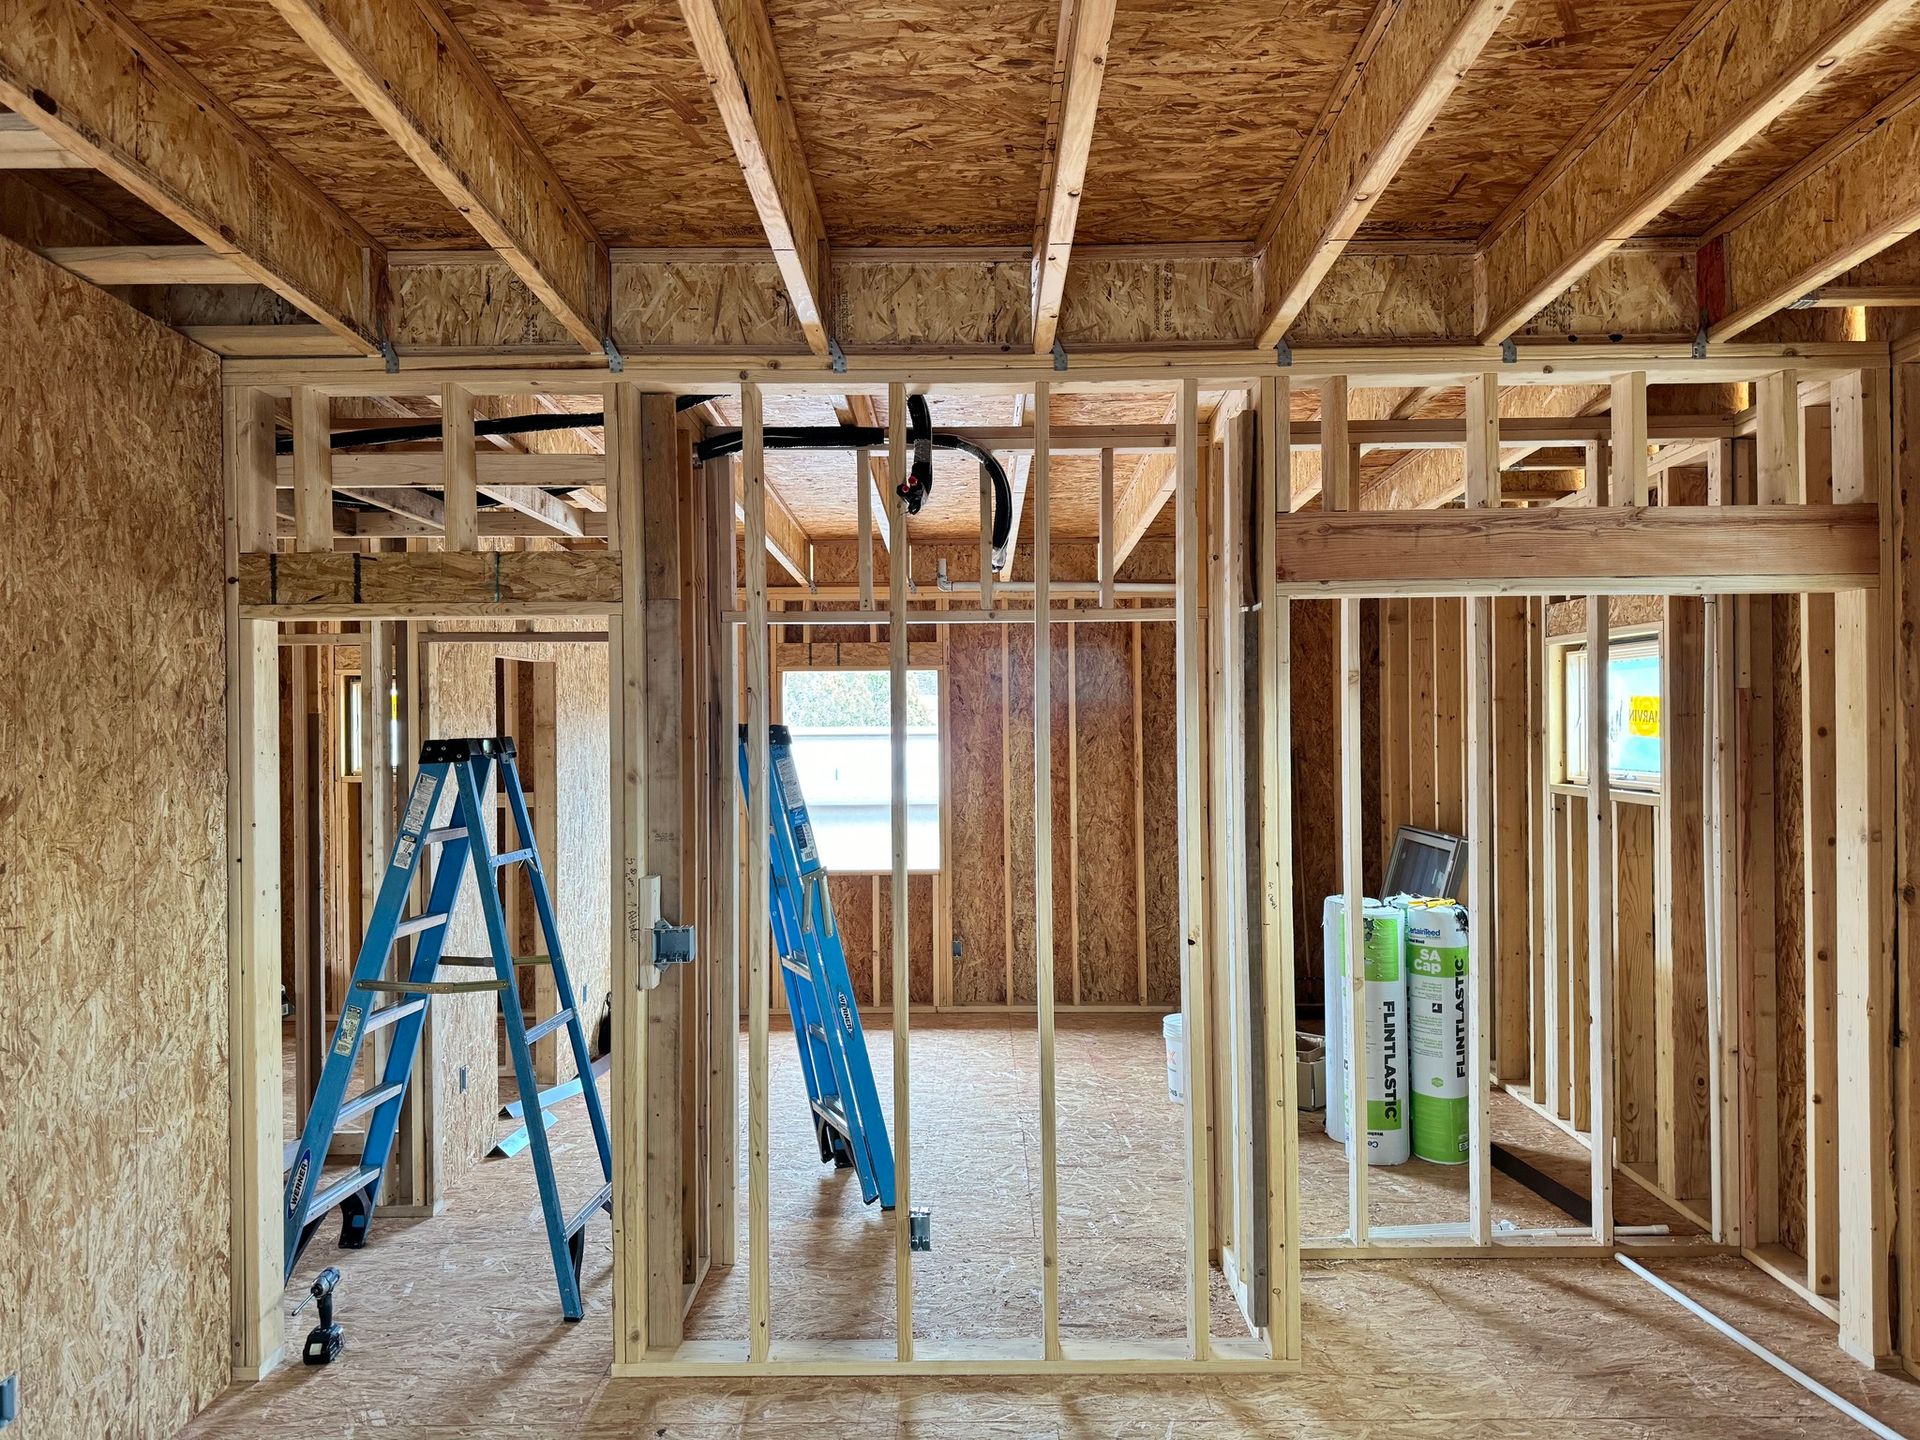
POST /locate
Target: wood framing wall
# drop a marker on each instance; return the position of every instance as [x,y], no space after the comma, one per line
[114,1286]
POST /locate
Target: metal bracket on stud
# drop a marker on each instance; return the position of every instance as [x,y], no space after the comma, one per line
[942,581]
[836,356]
[1283,354]
[919,1228]
[616,362]
[1509,352]
[1059,356]
[1700,343]
[391,356]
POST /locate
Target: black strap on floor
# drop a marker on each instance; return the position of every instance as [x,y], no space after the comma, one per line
[1543,1185]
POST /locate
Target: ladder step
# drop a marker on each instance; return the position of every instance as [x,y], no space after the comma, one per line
[340,1189]
[433,987]
[602,1200]
[817,1031]
[417,924]
[485,962]
[513,857]
[547,1026]
[387,1014]
[444,834]
[830,1111]
[796,967]
[362,1103]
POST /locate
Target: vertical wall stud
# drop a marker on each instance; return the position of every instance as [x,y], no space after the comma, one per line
[756,914]
[898,558]
[1600,912]
[1629,416]
[461,462]
[312,469]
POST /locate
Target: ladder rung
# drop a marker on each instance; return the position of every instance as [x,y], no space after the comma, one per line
[547,1026]
[485,962]
[602,1199]
[340,1189]
[512,857]
[417,924]
[362,1103]
[444,834]
[795,967]
[830,1111]
[387,1014]
[433,987]
[818,1032]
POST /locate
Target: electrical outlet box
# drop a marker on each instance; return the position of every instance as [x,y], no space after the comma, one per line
[9,1400]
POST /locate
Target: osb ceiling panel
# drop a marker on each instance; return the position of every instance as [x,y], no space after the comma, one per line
[140,221]
[924,122]
[249,57]
[614,94]
[1203,111]
[1542,76]
[1833,107]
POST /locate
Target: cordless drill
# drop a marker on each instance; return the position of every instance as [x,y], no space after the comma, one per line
[325,1340]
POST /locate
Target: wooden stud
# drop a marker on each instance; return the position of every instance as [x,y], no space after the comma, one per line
[899,555]
[312,470]
[1337,478]
[1779,463]
[1863,959]
[1195,1002]
[1274,493]
[1083,62]
[863,497]
[1106,530]
[1449,747]
[1681,1023]
[459,484]
[1421,809]
[1044,965]
[757,915]
[256,1263]
[1139,817]
[1483,442]
[1511,948]
[1629,441]
[1480,906]
[1353,890]
[1600,920]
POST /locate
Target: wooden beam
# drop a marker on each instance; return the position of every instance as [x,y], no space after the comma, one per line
[1860,201]
[1083,63]
[1600,925]
[1628,410]
[1339,476]
[82,73]
[1731,79]
[405,61]
[345,585]
[148,264]
[734,41]
[1424,52]
[460,472]
[1686,550]
[24,146]
[1483,442]
[756,913]
[1043,877]
[902,987]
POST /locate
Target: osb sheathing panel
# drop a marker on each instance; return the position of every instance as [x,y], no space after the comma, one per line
[963,305]
[975,859]
[1846,95]
[919,939]
[924,123]
[1198,300]
[852,897]
[249,57]
[1203,111]
[613,92]
[1160,810]
[1634,293]
[113,1017]
[38,211]
[1548,68]
[1314,627]
[1370,295]
[1108,893]
[690,305]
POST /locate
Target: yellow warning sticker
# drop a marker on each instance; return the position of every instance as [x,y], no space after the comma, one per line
[1643,716]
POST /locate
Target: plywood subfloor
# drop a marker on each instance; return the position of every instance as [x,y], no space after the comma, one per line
[454,1333]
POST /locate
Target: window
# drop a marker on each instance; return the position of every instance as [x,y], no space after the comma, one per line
[1633,712]
[840,724]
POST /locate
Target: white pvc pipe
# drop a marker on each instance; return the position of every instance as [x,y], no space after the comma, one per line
[1846,1407]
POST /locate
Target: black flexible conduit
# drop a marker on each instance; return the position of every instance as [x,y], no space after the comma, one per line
[921,435]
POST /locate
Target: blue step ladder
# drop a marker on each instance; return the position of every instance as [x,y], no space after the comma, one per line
[847,1120]
[466,764]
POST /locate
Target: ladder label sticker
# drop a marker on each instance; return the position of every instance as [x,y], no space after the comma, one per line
[415,820]
[349,1030]
[298,1189]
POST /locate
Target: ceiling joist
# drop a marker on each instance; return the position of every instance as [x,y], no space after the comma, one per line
[101,89]
[734,40]
[407,65]
[23,146]
[1732,79]
[1421,54]
[1087,25]
[1854,205]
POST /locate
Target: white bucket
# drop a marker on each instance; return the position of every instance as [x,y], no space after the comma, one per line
[1173,1032]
